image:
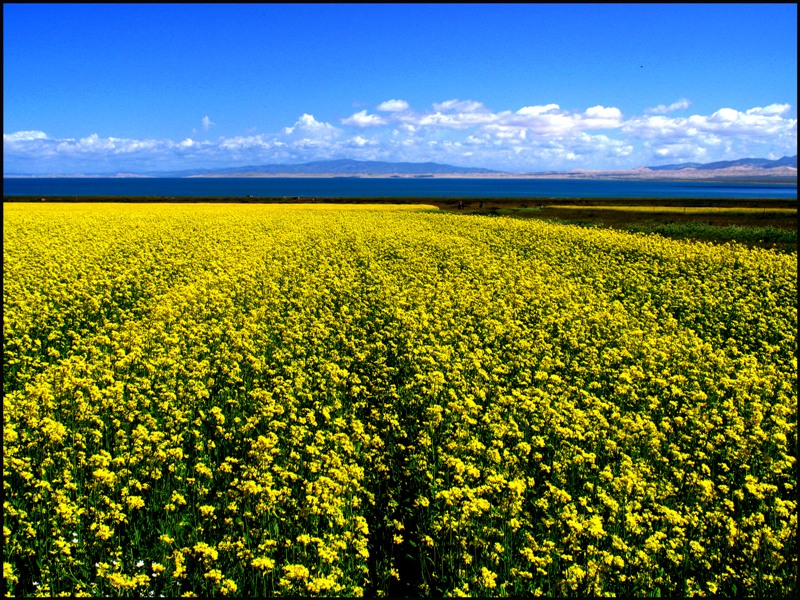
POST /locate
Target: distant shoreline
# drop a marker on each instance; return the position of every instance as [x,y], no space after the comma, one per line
[667,176]
[759,179]
[744,170]
[657,176]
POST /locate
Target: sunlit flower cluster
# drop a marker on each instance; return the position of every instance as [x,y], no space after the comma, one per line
[348,400]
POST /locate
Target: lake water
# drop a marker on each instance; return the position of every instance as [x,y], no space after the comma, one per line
[424,187]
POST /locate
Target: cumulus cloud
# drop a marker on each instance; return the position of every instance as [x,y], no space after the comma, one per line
[727,133]
[753,123]
[601,112]
[250,142]
[547,120]
[601,117]
[533,137]
[772,109]
[307,125]
[360,142]
[92,153]
[680,152]
[535,111]
[724,115]
[362,119]
[461,120]
[24,136]
[662,109]
[393,106]
[95,145]
[464,106]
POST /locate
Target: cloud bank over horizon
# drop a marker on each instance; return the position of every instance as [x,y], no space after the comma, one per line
[544,137]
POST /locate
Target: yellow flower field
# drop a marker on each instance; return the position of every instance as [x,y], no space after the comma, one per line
[252,400]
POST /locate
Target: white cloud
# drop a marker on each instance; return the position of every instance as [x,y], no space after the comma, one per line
[725,134]
[479,140]
[535,111]
[24,136]
[461,120]
[362,119]
[662,109]
[550,122]
[360,142]
[95,142]
[308,125]
[680,152]
[533,137]
[724,115]
[104,146]
[310,144]
[408,128]
[600,117]
[393,106]
[207,123]
[249,142]
[464,106]
[772,109]
[456,114]
[753,123]
[601,112]
[505,132]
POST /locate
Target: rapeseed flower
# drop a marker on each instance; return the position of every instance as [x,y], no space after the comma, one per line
[267,400]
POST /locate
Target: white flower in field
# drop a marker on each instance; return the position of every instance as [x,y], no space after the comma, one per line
[140,564]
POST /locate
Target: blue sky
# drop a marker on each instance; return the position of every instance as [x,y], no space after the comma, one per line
[91,88]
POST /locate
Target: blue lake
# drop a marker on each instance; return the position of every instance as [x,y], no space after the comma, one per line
[390,187]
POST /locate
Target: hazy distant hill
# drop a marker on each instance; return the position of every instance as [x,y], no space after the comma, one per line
[752,169]
[334,167]
[757,163]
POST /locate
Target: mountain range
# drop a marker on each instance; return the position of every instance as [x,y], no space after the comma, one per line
[343,167]
[782,169]
[360,168]
[757,163]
